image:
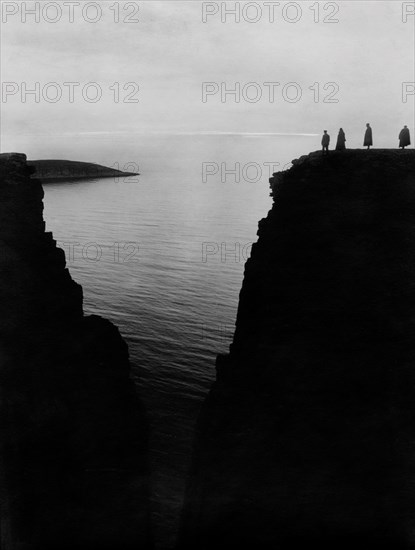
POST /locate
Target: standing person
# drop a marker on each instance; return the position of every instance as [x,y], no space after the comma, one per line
[325,141]
[368,136]
[341,141]
[404,137]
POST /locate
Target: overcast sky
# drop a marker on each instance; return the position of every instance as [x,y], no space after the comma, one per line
[170,52]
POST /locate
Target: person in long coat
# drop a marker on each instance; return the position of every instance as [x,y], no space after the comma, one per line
[341,141]
[404,137]
[325,141]
[368,137]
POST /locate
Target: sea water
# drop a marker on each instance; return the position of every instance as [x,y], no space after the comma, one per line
[162,256]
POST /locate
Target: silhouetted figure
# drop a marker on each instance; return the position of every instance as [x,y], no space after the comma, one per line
[325,141]
[368,136]
[341,141]
[404,137]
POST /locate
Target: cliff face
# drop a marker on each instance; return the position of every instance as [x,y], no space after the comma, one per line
[308,434]
[73,445]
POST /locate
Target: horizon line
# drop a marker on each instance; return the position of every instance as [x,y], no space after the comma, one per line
[163,132]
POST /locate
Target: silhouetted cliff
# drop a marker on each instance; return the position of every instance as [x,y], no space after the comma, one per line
[73,435]
[308,434]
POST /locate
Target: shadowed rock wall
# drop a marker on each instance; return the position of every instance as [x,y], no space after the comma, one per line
[73,433]
[308,434]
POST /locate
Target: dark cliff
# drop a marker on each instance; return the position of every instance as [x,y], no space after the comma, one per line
[308,434]
[73,447]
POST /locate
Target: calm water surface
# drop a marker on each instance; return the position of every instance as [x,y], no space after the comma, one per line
[162,256]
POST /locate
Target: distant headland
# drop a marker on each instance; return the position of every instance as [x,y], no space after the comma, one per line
[54,170]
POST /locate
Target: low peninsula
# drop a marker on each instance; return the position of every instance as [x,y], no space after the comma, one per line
[55,170]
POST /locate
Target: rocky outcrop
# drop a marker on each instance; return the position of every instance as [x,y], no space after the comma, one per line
[308,434]
[73,444]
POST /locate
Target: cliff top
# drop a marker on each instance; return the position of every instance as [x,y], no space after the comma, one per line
[373,157]
[360,163]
